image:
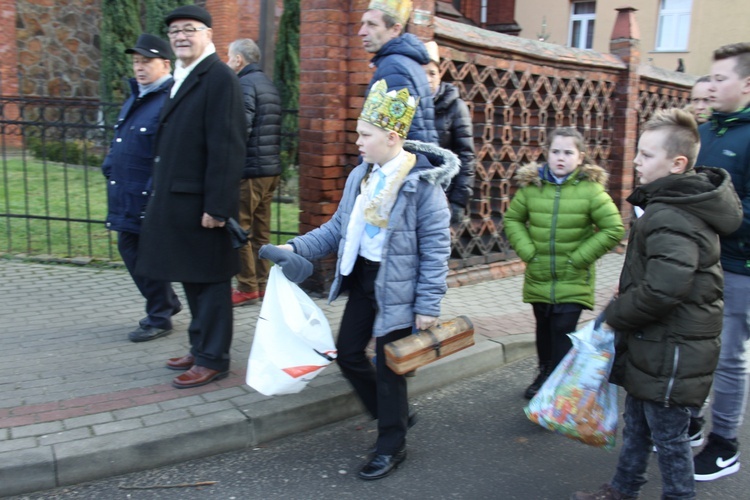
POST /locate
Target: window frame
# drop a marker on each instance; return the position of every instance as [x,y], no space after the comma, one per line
[679,19]
[584,20]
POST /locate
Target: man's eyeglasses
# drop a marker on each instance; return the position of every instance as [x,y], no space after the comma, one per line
[189,32]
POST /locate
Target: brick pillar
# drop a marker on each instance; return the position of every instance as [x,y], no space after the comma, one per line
[325,29]
[625,44]
[226,29]
[9,66]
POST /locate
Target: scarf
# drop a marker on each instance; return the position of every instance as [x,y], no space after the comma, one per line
[377,209]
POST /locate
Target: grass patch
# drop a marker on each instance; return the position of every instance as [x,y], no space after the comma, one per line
[59,210]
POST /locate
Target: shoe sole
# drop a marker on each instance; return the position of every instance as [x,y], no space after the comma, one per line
[218,376]
[152,337]
[721,473]
[246,303]
[179,368]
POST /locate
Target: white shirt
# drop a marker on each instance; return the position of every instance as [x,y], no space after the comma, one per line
[181,72]
[357,240]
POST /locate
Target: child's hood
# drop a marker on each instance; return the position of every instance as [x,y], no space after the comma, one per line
[534,174]
[707,193]
[439,165]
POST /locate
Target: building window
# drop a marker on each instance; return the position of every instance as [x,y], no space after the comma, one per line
[582,19]
[674,25]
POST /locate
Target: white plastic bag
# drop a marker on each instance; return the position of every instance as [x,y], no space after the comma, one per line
[293,341]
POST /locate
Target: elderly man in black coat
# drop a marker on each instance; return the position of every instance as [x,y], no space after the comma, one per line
[199,158]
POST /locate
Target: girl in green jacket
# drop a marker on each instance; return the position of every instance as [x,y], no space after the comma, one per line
[560,222]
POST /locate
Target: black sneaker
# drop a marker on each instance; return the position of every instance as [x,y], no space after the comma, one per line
[695,432]
[718,459]
[536,384]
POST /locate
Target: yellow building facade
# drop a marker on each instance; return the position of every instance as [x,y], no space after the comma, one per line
[670,30]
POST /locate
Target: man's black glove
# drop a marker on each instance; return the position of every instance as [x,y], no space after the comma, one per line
[457,213]
[295,267]
[236,233]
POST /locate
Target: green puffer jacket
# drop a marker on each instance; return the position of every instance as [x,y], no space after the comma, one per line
[560,231]
[668,314]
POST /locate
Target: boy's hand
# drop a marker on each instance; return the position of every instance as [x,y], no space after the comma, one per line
[423,322]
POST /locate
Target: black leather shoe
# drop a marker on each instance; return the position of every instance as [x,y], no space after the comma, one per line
[380,466]
[146,333]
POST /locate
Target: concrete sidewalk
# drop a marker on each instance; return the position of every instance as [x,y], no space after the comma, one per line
[81,402]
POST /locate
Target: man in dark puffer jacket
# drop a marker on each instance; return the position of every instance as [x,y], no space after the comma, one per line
[260,177]
[455,133]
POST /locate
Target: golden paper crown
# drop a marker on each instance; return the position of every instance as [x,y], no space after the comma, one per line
[399,9]
[389,110]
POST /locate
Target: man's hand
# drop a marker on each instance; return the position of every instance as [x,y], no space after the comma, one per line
[424,322]
[209,222]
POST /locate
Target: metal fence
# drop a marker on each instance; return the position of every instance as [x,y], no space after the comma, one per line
[52,193]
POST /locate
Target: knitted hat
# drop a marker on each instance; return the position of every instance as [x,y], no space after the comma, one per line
[189,12]
[432,51]
[295,267]
[150,46]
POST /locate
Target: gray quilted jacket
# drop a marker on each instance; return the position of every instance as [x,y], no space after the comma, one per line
[414,264]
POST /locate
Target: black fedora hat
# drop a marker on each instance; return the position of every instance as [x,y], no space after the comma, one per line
[189,12]
[150,46]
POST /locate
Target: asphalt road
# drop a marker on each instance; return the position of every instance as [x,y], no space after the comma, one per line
[472,441]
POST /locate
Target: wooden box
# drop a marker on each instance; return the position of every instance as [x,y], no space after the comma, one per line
[426,346]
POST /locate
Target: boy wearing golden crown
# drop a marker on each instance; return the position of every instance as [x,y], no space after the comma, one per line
[391,234]
[398,58]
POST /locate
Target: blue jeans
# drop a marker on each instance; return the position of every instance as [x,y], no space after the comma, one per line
[730,377]
[667,426]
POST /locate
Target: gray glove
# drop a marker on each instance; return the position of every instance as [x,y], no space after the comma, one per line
[295,267]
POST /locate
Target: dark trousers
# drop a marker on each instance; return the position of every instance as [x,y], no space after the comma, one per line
[211,326]
[648,423]
[553,323]
[382,392]
[161,301]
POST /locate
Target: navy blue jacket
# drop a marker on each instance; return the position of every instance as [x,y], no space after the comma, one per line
[725,143]
[400,62]
[128,164]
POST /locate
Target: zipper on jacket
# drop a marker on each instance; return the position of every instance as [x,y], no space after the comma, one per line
[670,385]
[553,230]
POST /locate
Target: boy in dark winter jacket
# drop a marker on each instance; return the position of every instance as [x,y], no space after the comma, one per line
[668,314]
[725,143]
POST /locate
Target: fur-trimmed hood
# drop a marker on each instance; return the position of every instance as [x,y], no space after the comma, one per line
[441,166]
[535,174]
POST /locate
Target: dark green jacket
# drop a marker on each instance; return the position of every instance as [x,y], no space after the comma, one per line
[668,314]
[560,231]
